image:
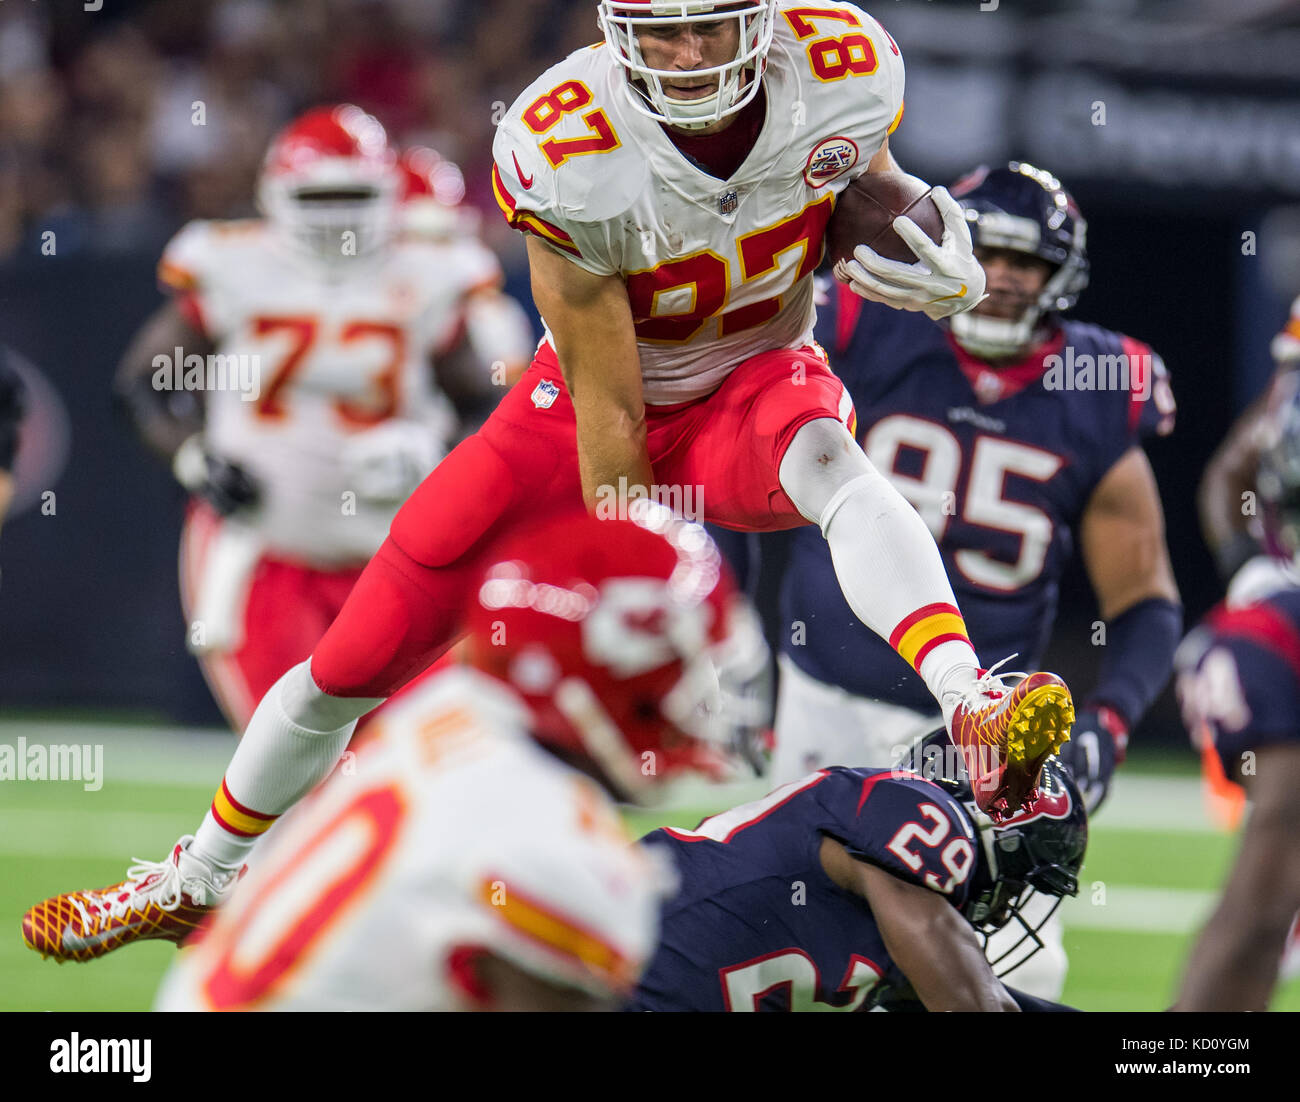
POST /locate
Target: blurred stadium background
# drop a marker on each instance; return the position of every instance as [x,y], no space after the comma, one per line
[1176,125]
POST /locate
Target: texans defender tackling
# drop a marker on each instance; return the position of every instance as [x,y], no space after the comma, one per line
[363,345]
[476,860]
[870,884]
[675,182]
[1239,685]
[1009,465]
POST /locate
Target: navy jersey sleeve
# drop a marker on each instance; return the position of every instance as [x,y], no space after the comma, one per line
[1118,391]
[905,825]
[1139,411]
[11,413]
[1153,396]
[1242,686]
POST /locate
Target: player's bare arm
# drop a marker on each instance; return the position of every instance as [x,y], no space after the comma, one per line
[1122,537]
[467,381]
[927,937]
[1229,474]
[590,321]
[1235,963]
[883,160]
[164,419]
[6,493]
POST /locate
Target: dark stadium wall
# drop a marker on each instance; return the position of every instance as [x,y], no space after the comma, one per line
[90,615]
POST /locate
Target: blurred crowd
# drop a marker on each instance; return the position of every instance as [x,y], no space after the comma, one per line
[118,125]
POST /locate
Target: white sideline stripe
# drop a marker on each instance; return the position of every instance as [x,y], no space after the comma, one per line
[126,834]
[199,756]
[1153,802]
[1133,909]
[139,755]
[91,833]
[1136,802]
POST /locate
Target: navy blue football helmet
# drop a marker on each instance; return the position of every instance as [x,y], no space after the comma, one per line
[1040,850]
[1026,209]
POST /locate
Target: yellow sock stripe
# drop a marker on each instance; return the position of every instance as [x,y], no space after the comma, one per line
[918,640]
[235,819]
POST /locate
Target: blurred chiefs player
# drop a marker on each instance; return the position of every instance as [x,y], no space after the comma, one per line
[368,335]
[433,208]
[474,860]
[675,183]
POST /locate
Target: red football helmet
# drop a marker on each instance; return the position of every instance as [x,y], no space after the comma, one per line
[433,189]
[614,633]
[331,183]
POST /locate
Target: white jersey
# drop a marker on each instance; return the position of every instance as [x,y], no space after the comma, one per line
[456,829]
[716,271]
[320,376]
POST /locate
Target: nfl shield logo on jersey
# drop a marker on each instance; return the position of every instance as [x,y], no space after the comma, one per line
[728,202]
[544,394]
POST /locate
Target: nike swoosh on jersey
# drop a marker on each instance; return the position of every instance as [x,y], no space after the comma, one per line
[526,181]
[73,944]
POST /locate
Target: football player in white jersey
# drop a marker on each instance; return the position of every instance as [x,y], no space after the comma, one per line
[308,371]
[675,181]
[471,859]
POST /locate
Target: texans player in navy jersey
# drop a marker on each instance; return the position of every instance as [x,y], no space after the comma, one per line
[1239,685]
[1014,432]
[853,888]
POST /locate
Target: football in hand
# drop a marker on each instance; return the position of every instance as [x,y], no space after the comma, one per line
[865,212]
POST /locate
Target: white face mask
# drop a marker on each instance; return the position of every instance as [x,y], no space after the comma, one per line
[1001,338]
[738,79]
[332,221]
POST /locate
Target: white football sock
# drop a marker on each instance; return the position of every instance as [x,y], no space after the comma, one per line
[886,560]
[294,739]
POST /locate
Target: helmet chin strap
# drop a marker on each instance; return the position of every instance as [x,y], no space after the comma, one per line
[696,114]
[994,338]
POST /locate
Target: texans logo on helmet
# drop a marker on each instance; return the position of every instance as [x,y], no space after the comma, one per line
[1055,806]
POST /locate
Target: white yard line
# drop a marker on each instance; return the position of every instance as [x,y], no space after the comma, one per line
[1129,908]
[1152,802]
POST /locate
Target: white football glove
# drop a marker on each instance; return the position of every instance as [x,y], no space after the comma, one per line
[945,280]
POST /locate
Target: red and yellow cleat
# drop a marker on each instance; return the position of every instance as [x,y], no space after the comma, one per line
[158,900]
[1006,731]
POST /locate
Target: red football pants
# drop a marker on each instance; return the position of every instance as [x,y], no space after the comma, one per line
[722,454]
[282,614]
